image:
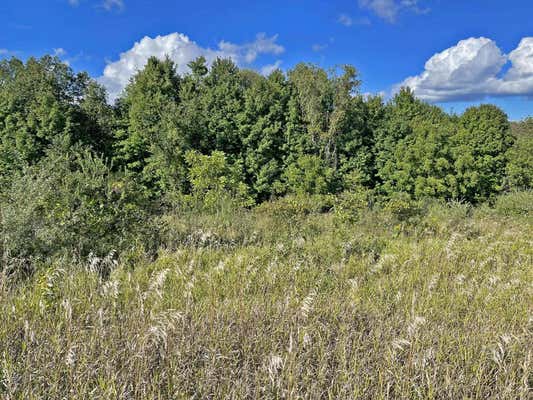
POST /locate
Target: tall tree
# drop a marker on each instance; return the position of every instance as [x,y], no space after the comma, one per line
[413,153]
[150,142]
[263,131]
[520,155]
[480,148]
[41,102]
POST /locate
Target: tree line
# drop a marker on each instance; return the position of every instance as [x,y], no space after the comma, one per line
[309,130]
[75,169]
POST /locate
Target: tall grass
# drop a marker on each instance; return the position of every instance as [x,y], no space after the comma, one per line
[259,305]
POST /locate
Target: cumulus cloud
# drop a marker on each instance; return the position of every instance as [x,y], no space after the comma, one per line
[268,69]
[180,49]
[389,9]
[472,69]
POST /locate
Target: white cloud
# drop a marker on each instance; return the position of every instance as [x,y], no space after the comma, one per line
[111,4]
[389,9]
[108,5]
[317,47]
[268,69]
[180,49]
[522,60]
[471,70]
[59,52]
[345,20]
[8,53]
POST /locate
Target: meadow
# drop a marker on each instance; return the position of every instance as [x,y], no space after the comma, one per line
[294,299]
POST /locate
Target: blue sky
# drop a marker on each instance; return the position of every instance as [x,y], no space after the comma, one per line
[478,50]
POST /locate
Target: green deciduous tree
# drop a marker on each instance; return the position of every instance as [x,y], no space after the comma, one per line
[151,143]
[215,182]
[413,149]
[42,101]
[480,146]
[520,156]
[263,128]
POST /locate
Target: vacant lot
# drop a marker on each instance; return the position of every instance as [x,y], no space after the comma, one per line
[278,303]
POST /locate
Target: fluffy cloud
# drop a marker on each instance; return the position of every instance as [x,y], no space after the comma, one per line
[472,70]
[108,5]
[268,69]
[180,49]
[389,9]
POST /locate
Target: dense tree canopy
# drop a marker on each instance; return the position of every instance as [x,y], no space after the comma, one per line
[307,131]
[42,102]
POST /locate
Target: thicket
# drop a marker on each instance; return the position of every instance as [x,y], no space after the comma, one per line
[78,174]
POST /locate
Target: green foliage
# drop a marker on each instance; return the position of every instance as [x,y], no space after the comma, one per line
[70,203]
[294,207]
[480,146]
[349,206]
[291,298]
[215,182]
[263,131]
[414,152]
[402,206]
[43,101]
[515,204]
[220,138]
[150,143]
[309,174]
[520,156]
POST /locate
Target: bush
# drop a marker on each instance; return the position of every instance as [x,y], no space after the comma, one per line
[309,174]
[70,204]
[349,206]
[216,184]
[292,207]
[445,217]
[514,204]
[402,207]
[520,165]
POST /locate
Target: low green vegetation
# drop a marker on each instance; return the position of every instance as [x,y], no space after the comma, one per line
[286,301]
[221,234]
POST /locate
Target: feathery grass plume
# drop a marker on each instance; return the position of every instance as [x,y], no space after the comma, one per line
[161,325]
[102,266]
[156,283]
[110,289]
[414,326]
[500,350]
[288,324]
[274,366]
[308,304]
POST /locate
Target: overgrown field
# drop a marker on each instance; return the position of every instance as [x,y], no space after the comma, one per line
[284,301]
